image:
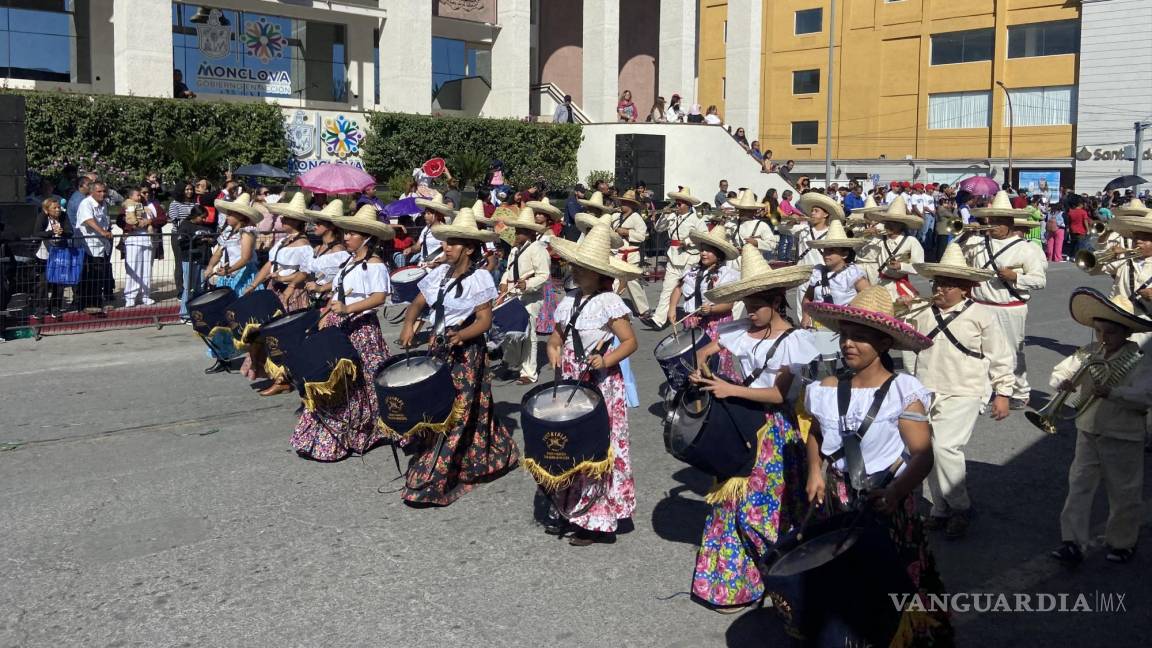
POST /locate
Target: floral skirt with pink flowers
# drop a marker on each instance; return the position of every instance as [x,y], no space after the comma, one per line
[726,575]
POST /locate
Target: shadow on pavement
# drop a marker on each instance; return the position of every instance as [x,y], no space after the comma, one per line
[1050,344]
[758,627]
[677,518]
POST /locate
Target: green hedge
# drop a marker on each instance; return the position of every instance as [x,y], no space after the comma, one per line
[123,138]
[398,143]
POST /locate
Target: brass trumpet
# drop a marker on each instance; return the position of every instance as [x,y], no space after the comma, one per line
[1047,417]
[1090,261]
[958,227]
[1099,228]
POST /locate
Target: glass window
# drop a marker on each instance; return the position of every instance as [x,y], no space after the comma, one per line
[958,110]
[44,40]
[805,132]
[453,60]
[962,47]
[809,21]
[805,81]
[227,52]
[1044,39]
[1049,106]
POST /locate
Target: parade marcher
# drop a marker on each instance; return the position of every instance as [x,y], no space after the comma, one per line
[858,224]
[751,227]
[1132,275]
[1113,239]
[714,269]
[968,359]
[890,258]
[233,264]
[630,226]
[426,250]
[528,271]
[819,210]
[1114,402]
[770,352]
[595,204]
[681,251]
[1020,269]
[837,279]
[329,256]
[883,415]
[477,448]
[587,321]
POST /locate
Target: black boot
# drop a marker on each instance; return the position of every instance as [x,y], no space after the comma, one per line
[219,367]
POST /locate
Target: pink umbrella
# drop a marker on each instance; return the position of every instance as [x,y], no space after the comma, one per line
[332,178]
[980,186]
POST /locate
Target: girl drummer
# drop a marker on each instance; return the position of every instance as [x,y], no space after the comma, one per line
[838,279]
[587,321]
[233,264]
[770,352]
[477,448]
[898,440]
[329,256]
[361,286]
[427,249]
[712,271]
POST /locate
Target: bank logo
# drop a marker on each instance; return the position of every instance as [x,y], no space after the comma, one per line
[301,135]
[264,40]
[213,38]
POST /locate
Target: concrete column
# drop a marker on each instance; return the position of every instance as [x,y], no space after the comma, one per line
[601,59]
[677,60]
[742,66]
[405,73]
[142,40]
[361,69]
[511,61]
[102,59]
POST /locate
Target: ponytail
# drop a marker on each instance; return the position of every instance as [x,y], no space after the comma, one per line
[887,362]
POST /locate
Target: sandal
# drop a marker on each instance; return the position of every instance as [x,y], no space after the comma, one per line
[1119,556]
[1069,553]
[584,538]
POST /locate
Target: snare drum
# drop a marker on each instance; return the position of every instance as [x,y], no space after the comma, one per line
[208,310]
[324,367]
[677,356]
[717,436]
[509,319]
[828,362]
[416,393]
[404,284]
[248,313]
[566,431]
[284,335]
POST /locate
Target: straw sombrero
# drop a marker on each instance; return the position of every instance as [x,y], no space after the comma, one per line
[595,253]
[684,194]
[596,201]
[837,237]
[463,227]
[1001,207]
[543,205]
[1129,225]
[1026,223]
[478,214]
[716,239]
[435,203]
[526,219]
[242,206]
[869,207]
[628,197]
[896,212]
[757,276]
[585,222]
[952,264]
[746,201]
[295,208]
[872,307]
[331,212]
[1134,207]
[1088,304]
[365,222]
[817,199]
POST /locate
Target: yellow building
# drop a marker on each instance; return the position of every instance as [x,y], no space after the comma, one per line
[917,89]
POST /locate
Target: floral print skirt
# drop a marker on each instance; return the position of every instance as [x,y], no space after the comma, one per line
[553,292]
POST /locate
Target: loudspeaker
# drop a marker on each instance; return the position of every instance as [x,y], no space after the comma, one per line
[640,158]
[13,160]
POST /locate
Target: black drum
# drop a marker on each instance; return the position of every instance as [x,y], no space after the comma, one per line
[566,431]
[324,367]
[248,313]
[676,355]
[839,598]
[717,436]
[416,393]
[208,310]
[286,333]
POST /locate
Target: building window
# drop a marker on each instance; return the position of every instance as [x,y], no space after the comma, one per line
[452,61]
[962,47]
[805,133]
[1050,106]
[44,40]
[227,52]
[958,110]
[809,21]
[1044,39]
[805,81]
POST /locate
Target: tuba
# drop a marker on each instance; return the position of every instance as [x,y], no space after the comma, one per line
[1104,373]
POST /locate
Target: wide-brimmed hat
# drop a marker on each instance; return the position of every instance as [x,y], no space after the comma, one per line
[463,227]
[896,212]
[869,207]
[872,307]
[594,252]
[757,276]
[526,219]
[435,203]
[629,197]
[1088,304]
[585,222]
[746,201]
[294,208]
[684,194]
[952,264]
[716,239]
[817,199]
[242,206]
[596,201]
[1134,207]
[1128,225]
[545,206]
[331,212]
[478,214]
[1000,207]
[1026,223]
[365,222]
[837,237]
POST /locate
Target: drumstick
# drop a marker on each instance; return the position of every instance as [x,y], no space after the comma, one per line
[587,365]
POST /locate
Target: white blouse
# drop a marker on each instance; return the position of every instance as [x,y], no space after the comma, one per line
[692,301]
[229,240]
[809,255]
[428,242]
[594,324]
[361,281]
[882,444]
[325,267]
[287,261]
[842,285]
[477,289]
[796,351]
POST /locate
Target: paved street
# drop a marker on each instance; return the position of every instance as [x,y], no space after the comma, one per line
[146,504]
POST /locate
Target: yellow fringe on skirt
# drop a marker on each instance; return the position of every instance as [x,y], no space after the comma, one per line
[216,329]
[278,373]
[341,376]
[735,489]
[454,417]
[550,482]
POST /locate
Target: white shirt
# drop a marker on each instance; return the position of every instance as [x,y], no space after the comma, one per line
[428,245]
[229,240]
[841,285]
[361,280]
[595,322]
[796,351]
[324,268]
[90,212]
[724,275]
[287,261]
[759,229]
[809,255]
[678,227]
[1032,273]
[712,119]
[477,289]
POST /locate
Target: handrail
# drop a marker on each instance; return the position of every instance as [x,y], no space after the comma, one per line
[557,95]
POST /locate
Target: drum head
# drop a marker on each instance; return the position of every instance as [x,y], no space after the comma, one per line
[547,407]
[674,345]
[214,295]
[814,553]
[408,275]
[409,371]
[288,320]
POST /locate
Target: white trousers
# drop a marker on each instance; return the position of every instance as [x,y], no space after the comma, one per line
[952,419]
[520,350]
[672,275]
[635,291]
[137,270]
[1011,320]
[1120,464]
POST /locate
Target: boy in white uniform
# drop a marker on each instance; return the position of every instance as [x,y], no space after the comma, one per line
[529,268]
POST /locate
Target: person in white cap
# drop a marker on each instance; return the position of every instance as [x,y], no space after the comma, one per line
[682,252]
[529,268]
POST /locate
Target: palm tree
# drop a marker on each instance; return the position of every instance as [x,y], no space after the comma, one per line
[199,155]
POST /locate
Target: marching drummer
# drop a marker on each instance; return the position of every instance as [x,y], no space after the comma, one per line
[837,279]
[588,319]
[713,270]
[475,447]
[427,247]
[681,251]
[330,254]
[233,264]
[770,353]
[891,257]
[361,286]
[529,267]
[630,226]
[884,420]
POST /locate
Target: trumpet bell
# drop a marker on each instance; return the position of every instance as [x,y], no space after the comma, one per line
[1099,228]
[1045,418]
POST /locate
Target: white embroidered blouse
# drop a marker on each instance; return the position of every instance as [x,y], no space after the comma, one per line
[594,323]
[751,353]
[478,288]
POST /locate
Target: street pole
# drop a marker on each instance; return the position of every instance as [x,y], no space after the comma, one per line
[1138,157]
[830,86]
[1011,129]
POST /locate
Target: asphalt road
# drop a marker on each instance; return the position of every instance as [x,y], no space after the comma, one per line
[146,504]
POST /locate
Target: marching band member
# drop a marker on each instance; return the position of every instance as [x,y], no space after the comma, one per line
[820,211]
[858,224]
[681,251]
[771,353]
[630,226]
[478,448]
[586,321]
[891,257]
[529,267]
[233,264]
[1020,269]
[968,358]
[553,217]
[885,418]
[751,228]
[329,256]
[837,279]
[713,270]
[1111,238]
[1109,427]
[427,247]
[1132,276]
[362,286]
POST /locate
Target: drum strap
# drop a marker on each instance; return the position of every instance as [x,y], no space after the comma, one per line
[570,328]
[703,274]
[892,253]
[991,263]
[825,282]
[771,352]
[850,439]
[446,285]
[942,323]
[276,256]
